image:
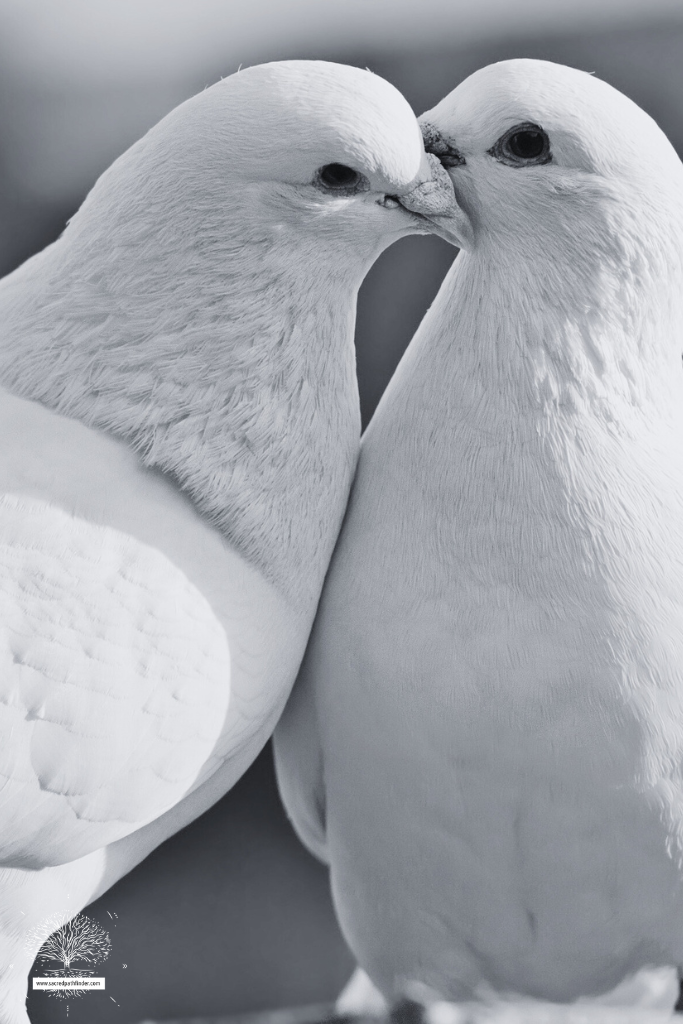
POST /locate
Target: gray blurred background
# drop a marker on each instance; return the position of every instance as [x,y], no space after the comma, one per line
[232,914]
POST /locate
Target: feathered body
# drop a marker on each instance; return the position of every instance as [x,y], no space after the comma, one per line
[180,427]
[496,673]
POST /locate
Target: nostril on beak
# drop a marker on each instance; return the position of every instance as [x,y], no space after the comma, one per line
[435,143]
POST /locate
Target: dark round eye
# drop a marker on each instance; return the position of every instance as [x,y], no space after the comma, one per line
[339,176]
[526,145]
[523,145]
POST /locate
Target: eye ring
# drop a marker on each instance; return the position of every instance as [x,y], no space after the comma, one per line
[340,179]
[525,145]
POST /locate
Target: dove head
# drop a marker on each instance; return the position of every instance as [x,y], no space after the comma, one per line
[552,160]
[331,144]
[318,155]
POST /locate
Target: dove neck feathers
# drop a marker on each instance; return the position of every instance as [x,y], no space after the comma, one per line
[529,363]
[224,357]
[583,317]
[526,384]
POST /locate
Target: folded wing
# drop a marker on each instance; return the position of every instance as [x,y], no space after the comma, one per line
[114,684]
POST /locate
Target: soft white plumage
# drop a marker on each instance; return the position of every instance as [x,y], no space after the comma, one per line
[486,741]
[179,422]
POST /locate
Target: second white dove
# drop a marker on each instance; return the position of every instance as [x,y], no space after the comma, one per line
[486,740]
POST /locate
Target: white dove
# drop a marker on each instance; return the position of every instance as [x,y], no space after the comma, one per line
[180,425]
[486,739]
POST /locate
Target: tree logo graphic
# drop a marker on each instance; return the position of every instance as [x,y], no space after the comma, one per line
[70,943]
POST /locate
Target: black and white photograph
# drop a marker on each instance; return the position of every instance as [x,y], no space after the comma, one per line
[341,512]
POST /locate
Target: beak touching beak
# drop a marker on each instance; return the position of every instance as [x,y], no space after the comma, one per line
[432,197]
[431,192]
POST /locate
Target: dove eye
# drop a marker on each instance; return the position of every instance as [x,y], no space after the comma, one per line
[340,178]
[523,146]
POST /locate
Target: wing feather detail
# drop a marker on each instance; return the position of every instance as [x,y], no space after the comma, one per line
[114,684]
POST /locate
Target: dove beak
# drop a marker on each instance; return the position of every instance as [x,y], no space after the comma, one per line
[433,197]
[430,193]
